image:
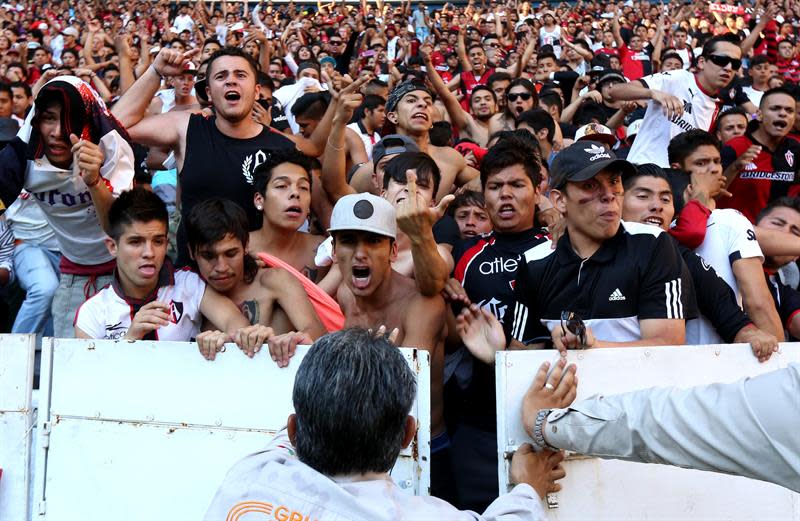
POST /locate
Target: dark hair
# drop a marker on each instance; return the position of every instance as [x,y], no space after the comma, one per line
[376,84]
[311,105]
[538,119]
[466,198]
[588,113]
[70,51]
[733,111]
[476,46]
[497,76]
[338,432]
[426,169]
[772,92]
[513,148]
[213,220]
[793,203]
[711,44]
[545,55]
[24,86]
[5,87]
[759,59]
[263,79]
[136,205]
[683,145]
[263,172]
[671,54]
[441,134]
[210,41]
[479,88]
[236,52]
[551,98]
[372,102]
[645,170]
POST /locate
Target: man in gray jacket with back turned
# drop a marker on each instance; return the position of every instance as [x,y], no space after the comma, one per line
[352,395]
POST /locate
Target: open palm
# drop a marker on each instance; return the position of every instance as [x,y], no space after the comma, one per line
[481,332]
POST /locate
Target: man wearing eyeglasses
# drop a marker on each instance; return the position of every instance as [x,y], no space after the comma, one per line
[679,100]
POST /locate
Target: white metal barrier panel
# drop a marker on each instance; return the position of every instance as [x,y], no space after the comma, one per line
[16,417]
[618,490]
[148,430]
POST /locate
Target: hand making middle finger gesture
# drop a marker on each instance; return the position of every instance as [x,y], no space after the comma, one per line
[414,217]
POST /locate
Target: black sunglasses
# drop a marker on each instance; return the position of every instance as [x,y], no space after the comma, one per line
[332,42]
[572,322]
[524,96]
[723,61]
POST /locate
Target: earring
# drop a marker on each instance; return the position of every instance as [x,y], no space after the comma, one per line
[259,207]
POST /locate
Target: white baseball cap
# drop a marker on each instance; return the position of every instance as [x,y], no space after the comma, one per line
[633,128]
[596,132]
[364,212]
[71,31]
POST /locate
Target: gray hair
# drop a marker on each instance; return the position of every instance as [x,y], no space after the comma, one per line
[351,397]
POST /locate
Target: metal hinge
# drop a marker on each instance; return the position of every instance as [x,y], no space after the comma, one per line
[45,435]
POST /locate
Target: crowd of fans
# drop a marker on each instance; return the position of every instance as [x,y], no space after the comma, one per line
[469,178]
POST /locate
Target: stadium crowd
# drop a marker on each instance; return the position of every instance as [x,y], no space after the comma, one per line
[467,178]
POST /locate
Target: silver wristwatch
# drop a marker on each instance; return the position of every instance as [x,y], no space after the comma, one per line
[539,444]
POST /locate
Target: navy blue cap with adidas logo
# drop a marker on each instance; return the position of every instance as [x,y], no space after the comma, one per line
[583,160]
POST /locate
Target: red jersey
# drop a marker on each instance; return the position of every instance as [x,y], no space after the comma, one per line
[468,83]
[635,64]
[769,176]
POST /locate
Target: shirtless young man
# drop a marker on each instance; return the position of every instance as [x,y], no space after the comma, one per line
[430,264]
[218,238]
[283,195]
[372,294]
[410,109]
[483,105]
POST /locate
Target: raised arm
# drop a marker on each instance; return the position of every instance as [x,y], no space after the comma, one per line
[334,159]
[131,107]
[458,116]
[615,29]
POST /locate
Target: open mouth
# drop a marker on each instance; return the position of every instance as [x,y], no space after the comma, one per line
[420,115]
[654,220]
[506,211]
[780,123]
[232,96]
[147,270]
[294,211]
[361,276]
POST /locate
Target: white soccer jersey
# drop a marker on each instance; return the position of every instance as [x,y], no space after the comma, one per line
[699,111]
[729,237]
[108,314]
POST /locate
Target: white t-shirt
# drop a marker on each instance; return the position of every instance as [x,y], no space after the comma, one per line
[108,314]
[183,22]
[729,237]
[656,131]
[369,141]
[67,202]
[754,95]
[686,55]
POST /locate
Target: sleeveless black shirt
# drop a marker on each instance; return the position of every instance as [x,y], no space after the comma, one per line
[216,165]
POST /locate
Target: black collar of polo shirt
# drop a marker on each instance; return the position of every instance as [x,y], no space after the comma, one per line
[565,254]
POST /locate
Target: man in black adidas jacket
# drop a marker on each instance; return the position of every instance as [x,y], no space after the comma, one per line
[626,281]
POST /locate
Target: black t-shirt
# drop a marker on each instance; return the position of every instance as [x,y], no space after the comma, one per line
[787,300]
[637,274]
[716,300]
[486,267]
[445,231]
[217,165]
